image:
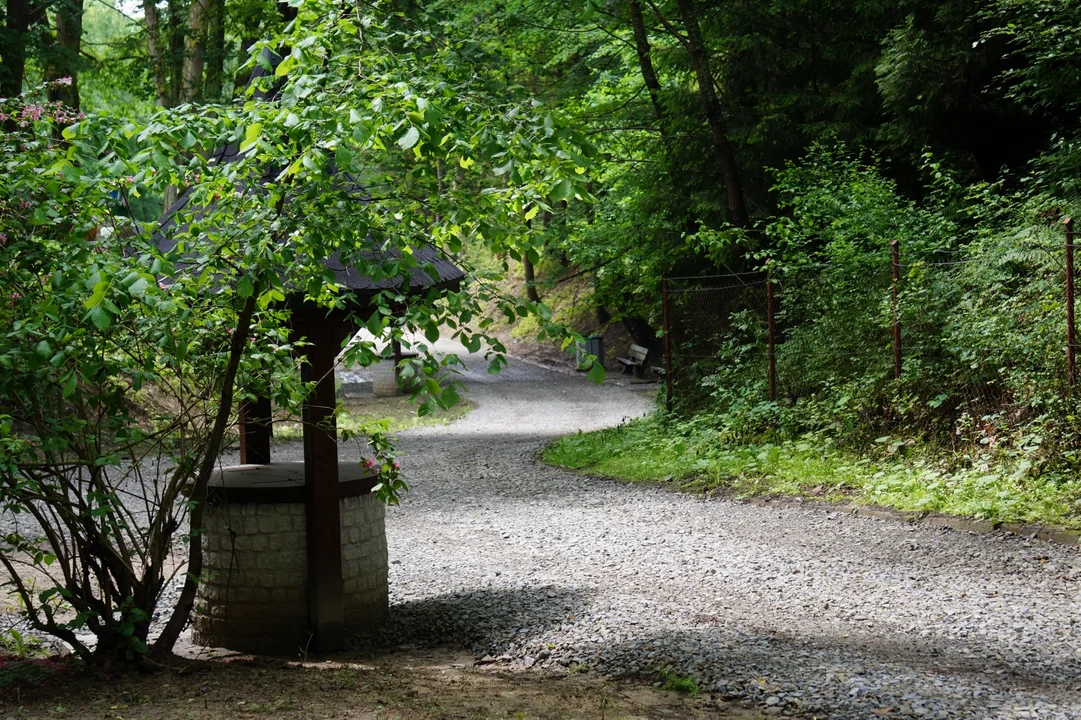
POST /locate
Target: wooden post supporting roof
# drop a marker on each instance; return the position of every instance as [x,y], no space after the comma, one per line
[255,431]
[326,595]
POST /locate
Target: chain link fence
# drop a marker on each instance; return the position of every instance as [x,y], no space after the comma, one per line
[953,341]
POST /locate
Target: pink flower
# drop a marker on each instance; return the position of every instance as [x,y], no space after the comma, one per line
[3,239]
[369,463]
[396,465]
[32,113]
[63,81]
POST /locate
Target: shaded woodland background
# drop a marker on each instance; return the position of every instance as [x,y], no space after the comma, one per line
[808,134]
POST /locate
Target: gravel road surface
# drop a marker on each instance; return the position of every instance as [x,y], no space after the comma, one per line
[806,611]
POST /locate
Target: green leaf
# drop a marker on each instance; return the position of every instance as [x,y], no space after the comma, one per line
[251,135]
[561,190]
[430,406]
[412,135]
[139,286]
[596,373]
[433,387]
[431,332]
[101,318]
[97,295]
[375,324]
[285,66]
[245,287]
[342,157]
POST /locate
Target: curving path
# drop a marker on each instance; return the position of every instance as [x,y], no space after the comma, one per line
[806,611]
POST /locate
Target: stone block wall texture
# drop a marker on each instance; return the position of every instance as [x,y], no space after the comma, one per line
[256,595]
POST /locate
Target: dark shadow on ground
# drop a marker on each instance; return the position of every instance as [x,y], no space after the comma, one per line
[485,622]
[867,672]
[857,674]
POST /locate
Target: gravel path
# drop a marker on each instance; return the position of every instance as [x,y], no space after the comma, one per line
[809,612]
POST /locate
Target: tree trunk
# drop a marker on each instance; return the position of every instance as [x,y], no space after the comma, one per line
[530,279]
[737,207]
[20,16]
[179,617]
[215,52]
[645,61]
[653,86]
[195,51]
[603,316]
[174,61]
[65,59]
[155,50]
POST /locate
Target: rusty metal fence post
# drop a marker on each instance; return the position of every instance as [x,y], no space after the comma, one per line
[667,346]
[1071,332]
[771,334]
[895,253]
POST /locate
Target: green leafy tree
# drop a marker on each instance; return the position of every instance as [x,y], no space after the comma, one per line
[379,138]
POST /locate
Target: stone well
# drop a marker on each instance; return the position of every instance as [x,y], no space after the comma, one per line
[256,598]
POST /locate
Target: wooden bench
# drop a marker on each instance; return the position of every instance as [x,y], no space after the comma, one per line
[636,358]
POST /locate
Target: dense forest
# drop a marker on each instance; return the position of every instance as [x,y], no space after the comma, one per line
[710,139]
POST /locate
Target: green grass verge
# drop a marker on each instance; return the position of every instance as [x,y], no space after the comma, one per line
[902,477]
[400,413]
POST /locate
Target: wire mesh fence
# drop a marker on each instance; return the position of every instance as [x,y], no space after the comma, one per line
[713,321]
[948,339]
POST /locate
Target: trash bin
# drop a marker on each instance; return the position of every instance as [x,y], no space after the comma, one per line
[594,345]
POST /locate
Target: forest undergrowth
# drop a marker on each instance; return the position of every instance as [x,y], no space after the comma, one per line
[981,421]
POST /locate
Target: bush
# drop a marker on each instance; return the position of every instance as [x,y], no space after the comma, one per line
[980,307]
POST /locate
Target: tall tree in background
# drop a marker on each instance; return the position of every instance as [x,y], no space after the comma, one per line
[195,51]
[20,16]
[215,51]
[157,52]
[64,54]
[696,48]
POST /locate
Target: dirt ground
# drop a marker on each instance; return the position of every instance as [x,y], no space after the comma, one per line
[412,686]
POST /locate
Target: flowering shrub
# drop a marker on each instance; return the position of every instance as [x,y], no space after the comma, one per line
[382,463]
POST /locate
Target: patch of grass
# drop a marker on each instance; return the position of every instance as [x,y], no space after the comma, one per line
[674,682]
[400,412]
[1000,489]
